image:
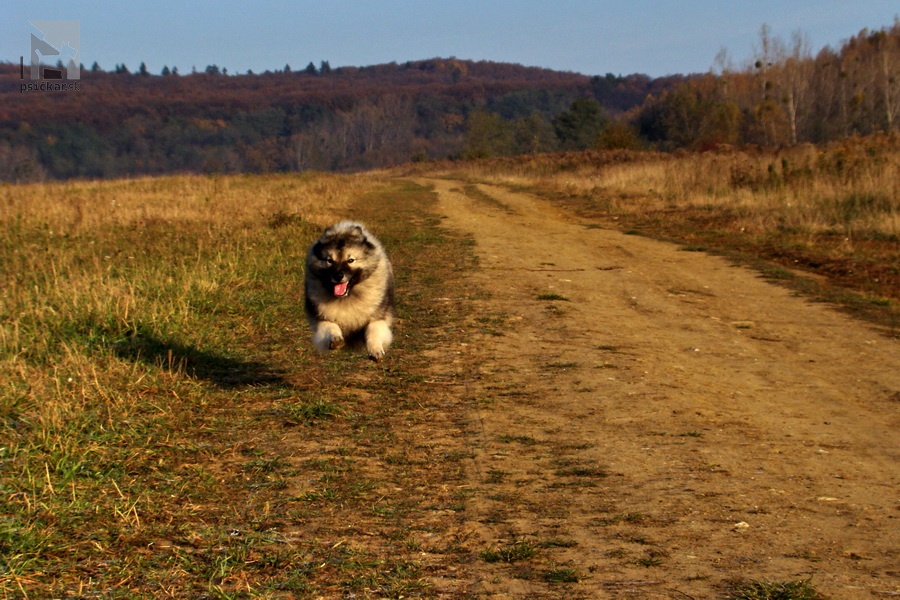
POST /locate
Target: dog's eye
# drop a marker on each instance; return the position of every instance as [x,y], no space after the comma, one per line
[350,260]
[329,261]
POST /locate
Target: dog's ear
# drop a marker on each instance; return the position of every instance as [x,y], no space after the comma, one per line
[317,248]
[327,234]
[358,234]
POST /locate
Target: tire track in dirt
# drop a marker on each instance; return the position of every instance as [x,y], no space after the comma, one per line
[659,423]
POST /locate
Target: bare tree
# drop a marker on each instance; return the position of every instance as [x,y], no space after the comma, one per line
[887,46]
[763,55]
[768,110]
[795,74]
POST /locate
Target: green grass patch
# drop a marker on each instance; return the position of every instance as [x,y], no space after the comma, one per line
[310,410]
[558,543]
[776,590]
[562,575]
[582,471]
[514,552]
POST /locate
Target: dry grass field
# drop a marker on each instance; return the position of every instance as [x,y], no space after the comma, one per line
[167,431]
[154,358]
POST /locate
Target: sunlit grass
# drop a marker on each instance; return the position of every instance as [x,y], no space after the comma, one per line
[154,359]
[848,187]
[153,355]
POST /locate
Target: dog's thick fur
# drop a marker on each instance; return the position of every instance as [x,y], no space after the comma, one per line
[349,290]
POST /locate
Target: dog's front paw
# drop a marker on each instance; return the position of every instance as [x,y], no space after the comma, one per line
[378,339]
[328,336]
[336,343]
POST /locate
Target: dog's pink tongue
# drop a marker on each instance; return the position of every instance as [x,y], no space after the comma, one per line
[340,289]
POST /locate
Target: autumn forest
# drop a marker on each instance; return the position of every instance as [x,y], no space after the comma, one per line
[128,121]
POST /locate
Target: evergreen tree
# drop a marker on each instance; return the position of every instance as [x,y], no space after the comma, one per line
[579,127]
[311,69]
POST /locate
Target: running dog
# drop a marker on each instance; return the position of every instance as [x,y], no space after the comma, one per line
[349,290]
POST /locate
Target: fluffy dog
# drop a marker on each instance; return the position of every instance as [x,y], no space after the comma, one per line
[349,290]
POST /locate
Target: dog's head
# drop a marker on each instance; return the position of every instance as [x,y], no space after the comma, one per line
[343,257]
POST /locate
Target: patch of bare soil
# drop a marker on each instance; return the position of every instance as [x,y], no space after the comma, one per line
[653,423]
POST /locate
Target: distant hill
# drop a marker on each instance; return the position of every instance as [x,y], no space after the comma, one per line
[355,118]
[345,118]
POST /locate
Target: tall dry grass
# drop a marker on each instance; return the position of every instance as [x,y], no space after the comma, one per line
[114,252]
[852,188]
[75,207]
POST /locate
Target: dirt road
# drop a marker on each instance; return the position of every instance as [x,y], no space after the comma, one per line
[658,423]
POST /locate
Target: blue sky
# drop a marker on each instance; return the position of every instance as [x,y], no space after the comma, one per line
[594,38]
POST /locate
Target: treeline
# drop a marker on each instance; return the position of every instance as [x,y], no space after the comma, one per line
[348,118]
[337,119]
[785,96]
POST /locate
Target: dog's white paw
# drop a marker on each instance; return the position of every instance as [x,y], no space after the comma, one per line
[328,336]
[378,339]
